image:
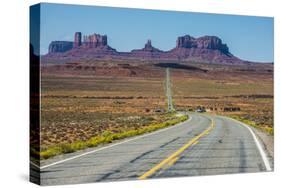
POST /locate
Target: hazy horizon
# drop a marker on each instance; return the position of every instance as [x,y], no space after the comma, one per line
[248,37]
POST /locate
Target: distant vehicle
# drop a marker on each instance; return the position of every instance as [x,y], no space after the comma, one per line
[200,110]
[159,110]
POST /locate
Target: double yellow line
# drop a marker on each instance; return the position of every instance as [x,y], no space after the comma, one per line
[169,161]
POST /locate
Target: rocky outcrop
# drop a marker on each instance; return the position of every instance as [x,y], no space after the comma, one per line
[206,42]
[77,40]
[212,42]
[186,42]
[94,41]
[148,45]
[208,49]
[148,52]
[92,47]
[147,48]
[60,46]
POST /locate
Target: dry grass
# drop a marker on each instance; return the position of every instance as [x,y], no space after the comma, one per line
[106,137]
[83,110]
[252,92]
[78,109]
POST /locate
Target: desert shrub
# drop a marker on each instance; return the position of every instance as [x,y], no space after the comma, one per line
[50,152]
[107,137]
[267,129]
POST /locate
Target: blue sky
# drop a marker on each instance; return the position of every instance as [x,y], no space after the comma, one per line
[248,37]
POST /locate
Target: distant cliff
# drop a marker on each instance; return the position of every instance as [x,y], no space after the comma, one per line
[208,49]
[60,46]
[90,41]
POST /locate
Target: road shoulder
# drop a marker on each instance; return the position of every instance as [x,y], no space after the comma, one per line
[267,141]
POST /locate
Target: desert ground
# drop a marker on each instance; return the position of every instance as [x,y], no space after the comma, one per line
[83,100]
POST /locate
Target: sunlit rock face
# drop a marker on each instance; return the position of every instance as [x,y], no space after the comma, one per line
[207,49]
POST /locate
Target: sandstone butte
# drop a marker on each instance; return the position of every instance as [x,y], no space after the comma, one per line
[208,49]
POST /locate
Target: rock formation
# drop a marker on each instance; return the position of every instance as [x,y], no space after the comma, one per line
[77,39]
[147,52]
[206,42]
[186,42]
[147,48]
[212,42]
[208,49]
[94,41]
[60,46]
[148,45]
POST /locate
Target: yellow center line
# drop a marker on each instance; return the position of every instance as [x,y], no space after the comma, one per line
[172,162]
[174,157]
[196,142]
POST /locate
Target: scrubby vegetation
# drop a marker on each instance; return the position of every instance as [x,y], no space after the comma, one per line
[267,129]
[81,109]
[246,93]
[107,137]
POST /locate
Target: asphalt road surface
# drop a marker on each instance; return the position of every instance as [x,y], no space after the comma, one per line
[203,145]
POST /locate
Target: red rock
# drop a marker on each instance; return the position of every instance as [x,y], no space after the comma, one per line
[208,49]
[60,46]
[94,41]
[77,40]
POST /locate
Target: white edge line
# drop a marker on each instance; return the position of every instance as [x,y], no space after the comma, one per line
[119,143]
[261,150]
[32,163]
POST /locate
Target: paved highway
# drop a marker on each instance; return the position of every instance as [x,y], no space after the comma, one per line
[203,145]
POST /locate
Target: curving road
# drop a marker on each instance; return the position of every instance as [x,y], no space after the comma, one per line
[203,145]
